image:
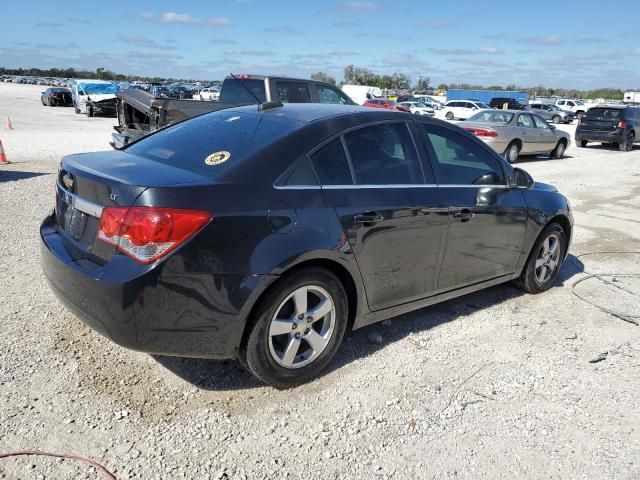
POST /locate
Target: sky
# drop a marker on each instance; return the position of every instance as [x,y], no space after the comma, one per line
[562,43]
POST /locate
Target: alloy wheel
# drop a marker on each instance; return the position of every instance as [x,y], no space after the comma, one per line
[302,327]
[548,258]
[629,143]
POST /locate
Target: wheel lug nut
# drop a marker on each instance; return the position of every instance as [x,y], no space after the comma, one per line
[301,316]
[309,319]
[297,335]
[294,326]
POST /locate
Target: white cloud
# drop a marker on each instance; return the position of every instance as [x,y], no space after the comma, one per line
[184,19]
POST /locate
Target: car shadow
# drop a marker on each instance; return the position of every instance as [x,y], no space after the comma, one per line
[15,176]
[537,158]
[226,375]
[611,148]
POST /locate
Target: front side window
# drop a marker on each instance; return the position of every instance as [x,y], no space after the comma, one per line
[458,160]
[331,164]
[293,92]
[384,155]
[540,122]
[525,120]
[331,95]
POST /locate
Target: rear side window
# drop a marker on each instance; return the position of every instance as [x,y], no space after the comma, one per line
[300,174]
[384,155]
[331,164]
[294,92]
[459,160]
[234,91]
[331,95]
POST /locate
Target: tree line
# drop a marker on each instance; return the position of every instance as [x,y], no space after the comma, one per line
[353,75]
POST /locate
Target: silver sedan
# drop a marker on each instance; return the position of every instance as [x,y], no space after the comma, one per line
[514,132]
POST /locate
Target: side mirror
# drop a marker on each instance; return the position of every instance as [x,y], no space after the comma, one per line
[521,179]
[553,127]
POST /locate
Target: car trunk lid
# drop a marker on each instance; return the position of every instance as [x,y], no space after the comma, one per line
[87,183]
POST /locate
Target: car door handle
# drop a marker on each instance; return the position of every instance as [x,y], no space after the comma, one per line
[464,215]
[368,218]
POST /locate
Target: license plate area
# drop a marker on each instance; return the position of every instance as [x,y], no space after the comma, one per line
[79,225]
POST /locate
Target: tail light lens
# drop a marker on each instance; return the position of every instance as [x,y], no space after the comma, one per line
[147,234]
[622,124]
[480,132]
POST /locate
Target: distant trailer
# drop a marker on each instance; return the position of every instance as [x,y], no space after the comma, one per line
[631,97]
[487,95]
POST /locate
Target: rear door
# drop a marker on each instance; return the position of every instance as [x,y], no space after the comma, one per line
[394,220]
[487,218]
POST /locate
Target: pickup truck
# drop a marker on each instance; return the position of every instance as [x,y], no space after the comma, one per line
[576,106]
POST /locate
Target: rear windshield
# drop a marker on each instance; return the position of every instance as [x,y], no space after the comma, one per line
[605,113]
[215,142]
[492,116]
[233,91]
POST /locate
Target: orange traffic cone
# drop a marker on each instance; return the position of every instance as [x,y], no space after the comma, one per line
[8,125]
[3,157]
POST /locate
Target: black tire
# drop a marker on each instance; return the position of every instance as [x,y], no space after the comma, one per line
[583,143]
[627,145]
[42,100]
[449,116]
[256,350]
[559,151]
[76,109]
[529,280]
[512,152]
[89,111]
[556,119]
[579,115]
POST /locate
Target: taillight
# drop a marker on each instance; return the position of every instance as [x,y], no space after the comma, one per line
[622,124]
[149,233]
[480,132]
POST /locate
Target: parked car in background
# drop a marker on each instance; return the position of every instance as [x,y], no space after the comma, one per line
[418,108]
[386,104]
[94,97]
[225,248]
[506,103]
[429,102]
[361,93]
[462,109]
[552,112]
[247,89]
[578,107]
[617,125]
[211,94]
[516,132]
[56,97]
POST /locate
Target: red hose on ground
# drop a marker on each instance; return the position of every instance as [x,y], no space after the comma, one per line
[106,473]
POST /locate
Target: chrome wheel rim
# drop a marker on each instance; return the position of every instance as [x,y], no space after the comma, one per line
[630,140]
[512,155]
[302,327]
[548,258]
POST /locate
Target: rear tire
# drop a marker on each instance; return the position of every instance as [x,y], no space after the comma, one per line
[556,119]
[266,352]
[89,112]
[77,110]
[512,152]
[449,116]
[627,145]
[544,262]
[583,143]
[558,152]
[579,115]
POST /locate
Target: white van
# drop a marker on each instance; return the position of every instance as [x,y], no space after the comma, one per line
[94,92]
[362,93]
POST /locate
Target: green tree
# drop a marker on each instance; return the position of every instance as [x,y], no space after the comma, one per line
[323,77]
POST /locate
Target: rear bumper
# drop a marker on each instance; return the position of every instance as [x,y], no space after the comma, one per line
[169,309]
[596,136]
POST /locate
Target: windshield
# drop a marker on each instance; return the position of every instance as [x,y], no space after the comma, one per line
[99,88]
[579,102]
[234,92]
[482,105]
[492,116]
[555,107]
[604,113]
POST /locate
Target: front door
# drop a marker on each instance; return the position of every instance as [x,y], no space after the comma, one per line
[548,138]
[394,222]
[488,219]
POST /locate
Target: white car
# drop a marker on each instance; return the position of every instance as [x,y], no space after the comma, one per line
[462,109]
[418,108]
[211,94]
[576,106]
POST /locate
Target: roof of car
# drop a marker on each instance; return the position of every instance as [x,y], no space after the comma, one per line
[310,112]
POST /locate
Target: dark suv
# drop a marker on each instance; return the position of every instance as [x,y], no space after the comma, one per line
[512,103]
[616,124]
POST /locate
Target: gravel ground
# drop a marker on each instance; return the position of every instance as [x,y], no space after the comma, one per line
[494,385]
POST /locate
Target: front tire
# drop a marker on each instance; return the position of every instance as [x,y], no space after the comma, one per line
[558,152]
[545,260]
[298,328]
[583,143]
[556,119]
[89,111]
